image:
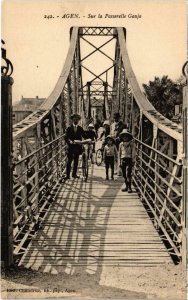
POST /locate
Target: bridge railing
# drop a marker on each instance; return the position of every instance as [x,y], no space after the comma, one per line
[159,165]
[158,179]
[35,182]
[39,151]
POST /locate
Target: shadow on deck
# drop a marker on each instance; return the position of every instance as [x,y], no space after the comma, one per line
[91,225]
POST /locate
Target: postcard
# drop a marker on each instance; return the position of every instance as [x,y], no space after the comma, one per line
[93,135]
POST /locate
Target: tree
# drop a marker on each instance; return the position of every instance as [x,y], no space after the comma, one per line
[164,94]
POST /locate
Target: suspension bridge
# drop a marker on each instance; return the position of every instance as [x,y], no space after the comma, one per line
[54,225]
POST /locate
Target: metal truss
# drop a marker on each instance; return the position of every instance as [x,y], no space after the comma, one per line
[39,148]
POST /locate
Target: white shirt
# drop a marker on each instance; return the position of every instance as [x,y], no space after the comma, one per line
[113,131]
[75,127]
[110,150]
[126,149]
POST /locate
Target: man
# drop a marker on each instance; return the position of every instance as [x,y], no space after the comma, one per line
[73,132]
[97,123]
[117,127]
[115,130]
[106,131]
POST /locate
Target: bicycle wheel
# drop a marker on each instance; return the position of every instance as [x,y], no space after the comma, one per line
[84,167]
[99,157]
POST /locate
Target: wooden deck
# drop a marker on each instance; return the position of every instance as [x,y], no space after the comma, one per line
[93,225]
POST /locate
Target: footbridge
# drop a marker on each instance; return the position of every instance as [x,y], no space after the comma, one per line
[52,224]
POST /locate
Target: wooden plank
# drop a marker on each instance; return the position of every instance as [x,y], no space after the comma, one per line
[96,222]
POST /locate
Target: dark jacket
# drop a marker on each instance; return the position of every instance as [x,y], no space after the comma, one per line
[91,135]
[71,135]
[97,124]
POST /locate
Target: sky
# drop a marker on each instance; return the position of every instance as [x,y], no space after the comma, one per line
[37,46]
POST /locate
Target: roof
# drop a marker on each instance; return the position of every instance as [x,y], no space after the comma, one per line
[28,104]
[24,108]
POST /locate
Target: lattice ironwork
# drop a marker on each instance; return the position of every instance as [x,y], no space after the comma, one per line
[36,177]
[158,179]
[39,150]
[101,31]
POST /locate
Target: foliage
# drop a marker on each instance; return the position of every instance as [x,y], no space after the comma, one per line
[163,93]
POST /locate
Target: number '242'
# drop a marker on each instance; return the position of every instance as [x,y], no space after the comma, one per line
[48,16]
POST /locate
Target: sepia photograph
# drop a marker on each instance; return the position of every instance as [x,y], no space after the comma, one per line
[93,149]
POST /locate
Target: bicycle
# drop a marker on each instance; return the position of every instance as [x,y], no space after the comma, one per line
[86,155]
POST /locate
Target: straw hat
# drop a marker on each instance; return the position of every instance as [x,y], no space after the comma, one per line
[125,132]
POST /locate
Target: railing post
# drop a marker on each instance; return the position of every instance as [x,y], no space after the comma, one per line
[6,163]
[155,146]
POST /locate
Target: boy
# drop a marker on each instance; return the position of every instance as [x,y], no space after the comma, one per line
[91,134]
[126,158]
[110,155]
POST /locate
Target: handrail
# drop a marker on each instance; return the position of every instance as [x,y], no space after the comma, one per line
[158,192]
[36,151]
[35,182]
[179,163]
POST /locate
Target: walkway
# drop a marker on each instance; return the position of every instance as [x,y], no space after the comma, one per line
[94,225]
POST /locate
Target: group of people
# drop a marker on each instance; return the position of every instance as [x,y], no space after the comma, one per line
[118,147]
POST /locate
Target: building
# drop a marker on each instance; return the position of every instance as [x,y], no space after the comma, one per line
[25,107]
